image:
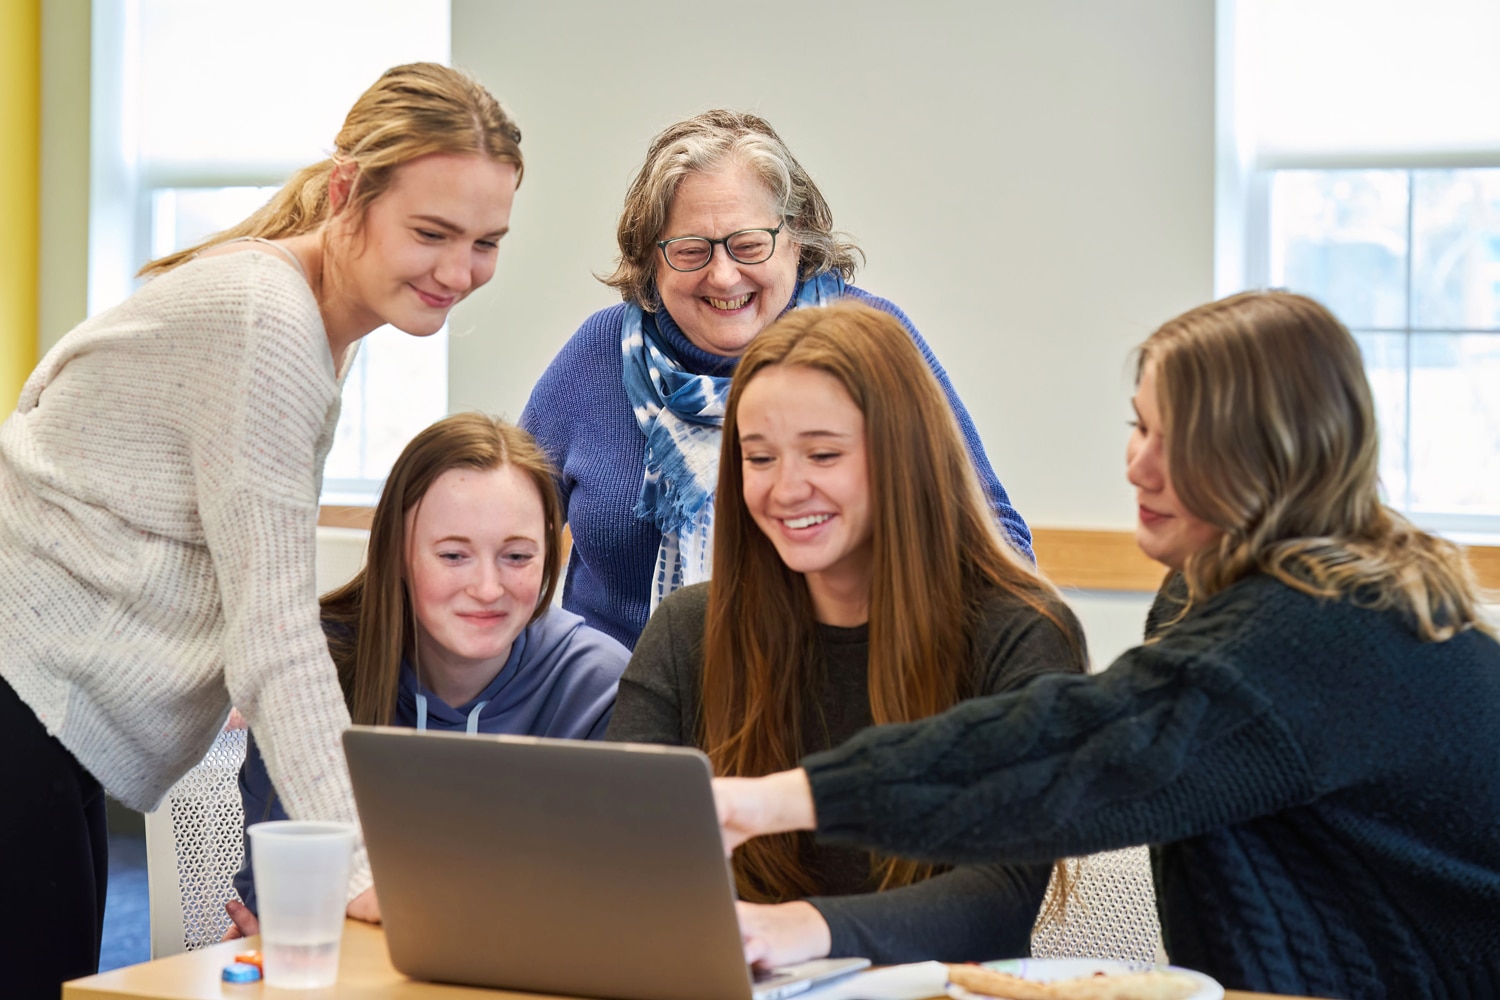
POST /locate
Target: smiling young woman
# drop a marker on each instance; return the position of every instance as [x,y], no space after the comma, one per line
[159,486]
[475,556]
[806,484]
[419,250]
[404,220]
[449,624]
[859,577]
[1300,737]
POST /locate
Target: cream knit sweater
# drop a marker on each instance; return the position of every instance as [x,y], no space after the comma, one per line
[159,487]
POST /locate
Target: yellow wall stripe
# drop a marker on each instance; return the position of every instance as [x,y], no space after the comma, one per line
[20,191]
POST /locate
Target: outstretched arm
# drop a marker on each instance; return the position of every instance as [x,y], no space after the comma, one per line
[1161,746]
[754,807]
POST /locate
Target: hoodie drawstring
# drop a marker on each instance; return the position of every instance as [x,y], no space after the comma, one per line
[473,726]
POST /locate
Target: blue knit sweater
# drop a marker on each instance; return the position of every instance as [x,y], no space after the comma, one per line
[1321,788]
[580,414]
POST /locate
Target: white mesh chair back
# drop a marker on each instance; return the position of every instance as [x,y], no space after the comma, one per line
[194,845]
[1111,914]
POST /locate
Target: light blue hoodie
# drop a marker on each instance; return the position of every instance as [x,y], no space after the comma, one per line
[559,681]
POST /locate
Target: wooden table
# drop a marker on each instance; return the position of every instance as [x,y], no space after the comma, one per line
[365,973]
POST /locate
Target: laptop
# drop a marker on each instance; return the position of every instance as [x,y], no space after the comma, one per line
[557,866]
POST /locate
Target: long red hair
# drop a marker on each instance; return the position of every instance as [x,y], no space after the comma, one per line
[937,553]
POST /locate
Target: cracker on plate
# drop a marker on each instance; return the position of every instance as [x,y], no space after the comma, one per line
[1152,985]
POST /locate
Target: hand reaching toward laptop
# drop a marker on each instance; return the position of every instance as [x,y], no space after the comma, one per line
[782,934]
[245,924]
[753,807]
[365,907]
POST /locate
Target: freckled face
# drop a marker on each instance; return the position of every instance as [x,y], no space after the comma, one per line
[427,241]
[475,552]
[1165,529]
[807,479]
[725,305]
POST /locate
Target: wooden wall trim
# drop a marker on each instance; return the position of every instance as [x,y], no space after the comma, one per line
[1095,560]
[1081,558]
[1486,562]
[1109,560]
[346,517]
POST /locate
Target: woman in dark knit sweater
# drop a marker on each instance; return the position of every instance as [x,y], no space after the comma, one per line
[859,577]
[1305,741]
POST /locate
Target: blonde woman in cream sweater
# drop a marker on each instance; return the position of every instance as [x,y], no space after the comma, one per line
[159,487]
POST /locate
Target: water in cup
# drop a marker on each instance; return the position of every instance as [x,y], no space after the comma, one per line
[301,966]
[302,882]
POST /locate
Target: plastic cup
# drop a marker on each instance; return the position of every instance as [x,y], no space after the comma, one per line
[302,883]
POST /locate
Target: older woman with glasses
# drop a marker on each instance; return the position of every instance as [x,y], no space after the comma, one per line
[722,232]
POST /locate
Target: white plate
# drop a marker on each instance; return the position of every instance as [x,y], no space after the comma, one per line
[1046,970]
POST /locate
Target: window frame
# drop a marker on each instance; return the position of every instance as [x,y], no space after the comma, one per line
[1258,274]
[123,189]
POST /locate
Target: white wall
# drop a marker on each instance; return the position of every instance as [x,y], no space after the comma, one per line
[1031,179]
[1032,183]
[1112,621]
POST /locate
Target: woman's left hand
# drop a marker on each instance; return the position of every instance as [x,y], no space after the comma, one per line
[365,907]
[242,924]
[782,934]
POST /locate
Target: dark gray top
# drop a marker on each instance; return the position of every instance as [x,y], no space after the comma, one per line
[967,913]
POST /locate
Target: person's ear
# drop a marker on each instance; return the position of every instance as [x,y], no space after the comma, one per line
[341,184]
[795,249]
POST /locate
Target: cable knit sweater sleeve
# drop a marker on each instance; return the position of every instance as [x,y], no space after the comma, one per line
[1170,742]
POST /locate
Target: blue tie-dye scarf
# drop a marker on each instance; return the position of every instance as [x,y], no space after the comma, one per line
[682,416]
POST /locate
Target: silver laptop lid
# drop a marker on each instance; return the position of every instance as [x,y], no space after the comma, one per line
[591,869]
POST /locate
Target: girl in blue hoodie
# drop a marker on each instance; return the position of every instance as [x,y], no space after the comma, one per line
[450,624]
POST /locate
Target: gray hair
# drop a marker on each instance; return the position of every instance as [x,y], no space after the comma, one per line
[704,143]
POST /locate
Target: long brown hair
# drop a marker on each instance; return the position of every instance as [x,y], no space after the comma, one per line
[1271,437]
[937,553]
[708,142]
[368,620]
[410,112]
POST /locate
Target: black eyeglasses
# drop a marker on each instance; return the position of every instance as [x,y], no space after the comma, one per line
[692,253]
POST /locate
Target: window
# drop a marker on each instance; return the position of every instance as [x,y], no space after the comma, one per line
[1360,164]
[200,111]
[1410,261]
